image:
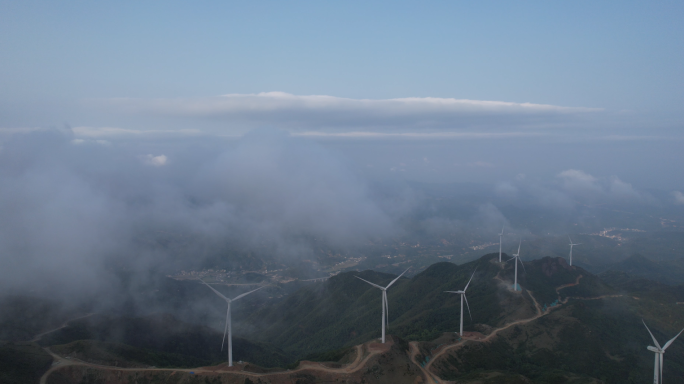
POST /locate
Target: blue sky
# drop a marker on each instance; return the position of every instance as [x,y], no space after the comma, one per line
[609,71]
[610,54]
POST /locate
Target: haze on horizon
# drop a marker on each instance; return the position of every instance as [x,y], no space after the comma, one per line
[263,125]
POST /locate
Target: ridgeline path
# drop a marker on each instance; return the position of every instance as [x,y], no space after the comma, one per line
[364,352]
[40,335]
[429,375]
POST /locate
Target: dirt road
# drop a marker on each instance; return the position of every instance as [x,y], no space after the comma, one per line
[363,352]
[444,349]
[40,335]
[359,362]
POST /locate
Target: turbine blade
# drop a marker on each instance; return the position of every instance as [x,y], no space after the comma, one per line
[671,340]
[570,239]
[225,330]
[519,246]
[512,258]
[471,279]
[392,282]
[375,285]
[452,291]
[247,293]
[468,305]
[215,291]
[652,337]
[523,265]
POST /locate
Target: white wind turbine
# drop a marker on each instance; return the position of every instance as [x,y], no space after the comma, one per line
[500,236]
[228,325]
[659,352]
[463,296]
[571,244]
[516,257]
[385,307]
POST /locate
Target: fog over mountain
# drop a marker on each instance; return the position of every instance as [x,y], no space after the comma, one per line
[76,210]
[69,207]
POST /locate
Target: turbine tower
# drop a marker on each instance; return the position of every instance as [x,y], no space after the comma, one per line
[385,308]
[228,325]
[516,257]
[463,296]
[500,236]
[571,244]
[659,352]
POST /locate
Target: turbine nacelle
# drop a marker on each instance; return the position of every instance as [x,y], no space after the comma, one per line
[654,349]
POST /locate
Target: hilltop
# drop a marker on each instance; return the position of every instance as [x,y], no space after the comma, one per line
[565,326]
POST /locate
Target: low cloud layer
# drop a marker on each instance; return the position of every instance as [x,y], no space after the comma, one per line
[319,112]
[570,188]
[71,210]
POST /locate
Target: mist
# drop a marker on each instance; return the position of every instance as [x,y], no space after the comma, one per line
[73,210]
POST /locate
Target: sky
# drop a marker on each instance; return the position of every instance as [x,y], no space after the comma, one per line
[486,75]
[276,119]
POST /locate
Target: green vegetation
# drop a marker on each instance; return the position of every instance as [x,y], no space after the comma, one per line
[159,340]
[345,311]
[22,317]
[22,363]
[664,271]
[601,339]
[581,342]
[122,355]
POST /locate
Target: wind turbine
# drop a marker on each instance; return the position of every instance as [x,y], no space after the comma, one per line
[500,236]
[517,257]
[463,296]
[659,352]
[228,325]
[571,244]
[385,308]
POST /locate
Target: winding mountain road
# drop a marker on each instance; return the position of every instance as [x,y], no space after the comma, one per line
[429,375]
[364,352]
[359,362]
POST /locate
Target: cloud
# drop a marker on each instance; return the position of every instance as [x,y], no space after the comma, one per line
[505,189]
[320,112]
[579,182]
[72,213]
[156,161]
[678,197]
[582,184]
[113,132]
[568,190]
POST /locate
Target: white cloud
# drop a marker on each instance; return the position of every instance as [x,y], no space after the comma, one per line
[582,184]
[506,189]
[619,188]
[579,181]
[678,196]
[156,161]
[320,112]
[113,132]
